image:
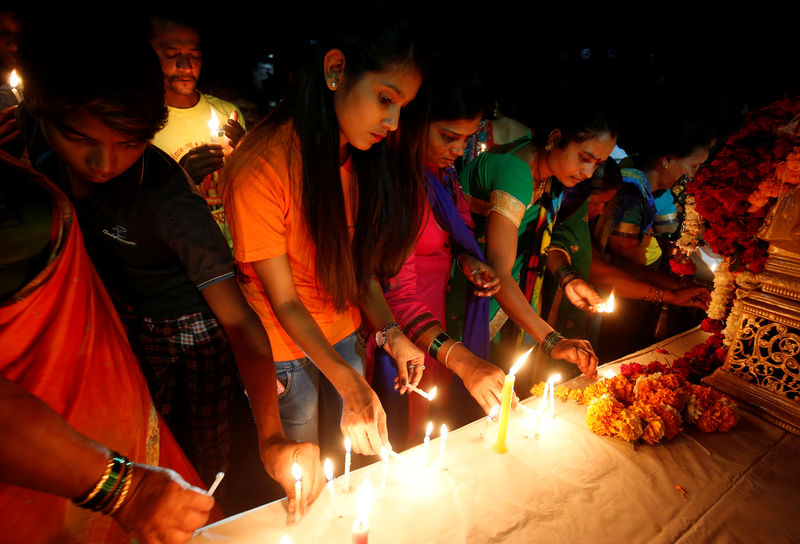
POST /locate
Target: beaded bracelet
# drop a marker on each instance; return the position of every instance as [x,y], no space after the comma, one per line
[550,342]
[447,355]
[565,274]
[438,342]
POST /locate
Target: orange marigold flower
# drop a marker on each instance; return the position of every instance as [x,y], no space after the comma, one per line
[538,389]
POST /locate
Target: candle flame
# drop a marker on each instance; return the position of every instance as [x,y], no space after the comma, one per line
[13,79]
[384,454]
[328,468]
[347,444]
[213,123]
[432,394]
[443,432]
[519,363]
[296,472]
[285,540]
[364,501]
[610,303]
[554,378]
[428,429]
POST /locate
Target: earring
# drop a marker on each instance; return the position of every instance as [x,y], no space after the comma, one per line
[334,81]
[549,146]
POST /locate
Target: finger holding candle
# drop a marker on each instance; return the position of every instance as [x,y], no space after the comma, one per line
[578,352]
[429,396]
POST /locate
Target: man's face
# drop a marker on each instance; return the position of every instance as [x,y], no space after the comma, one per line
[92,151]
[178,49]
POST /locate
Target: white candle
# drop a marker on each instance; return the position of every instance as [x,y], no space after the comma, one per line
[430,396]
[552,381]
[298,490]
[347,448]
[442,442]
[328,468]
[426,444]
[13,82]
[384,468]
[215,485]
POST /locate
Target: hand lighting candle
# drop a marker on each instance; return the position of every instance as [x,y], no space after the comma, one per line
[13,82]
[607,307]
[430,396]
[328,469]
[347,448]
[505,403]
[363,506]
[298,490]
[426,444]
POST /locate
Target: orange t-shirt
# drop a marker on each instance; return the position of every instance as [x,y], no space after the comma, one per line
[262,202]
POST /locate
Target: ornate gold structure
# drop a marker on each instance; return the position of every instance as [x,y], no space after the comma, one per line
[762,369]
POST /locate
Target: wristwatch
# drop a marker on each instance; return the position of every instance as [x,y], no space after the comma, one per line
[380,336]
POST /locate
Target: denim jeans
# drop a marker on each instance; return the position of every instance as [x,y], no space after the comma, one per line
[310,407]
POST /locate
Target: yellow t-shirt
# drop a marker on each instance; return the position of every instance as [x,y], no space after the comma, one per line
[263,205]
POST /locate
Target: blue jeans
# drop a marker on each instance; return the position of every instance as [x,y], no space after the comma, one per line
[310,407]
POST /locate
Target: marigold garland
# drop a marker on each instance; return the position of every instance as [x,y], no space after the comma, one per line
[650,403]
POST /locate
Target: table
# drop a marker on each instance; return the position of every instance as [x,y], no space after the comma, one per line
[569,485]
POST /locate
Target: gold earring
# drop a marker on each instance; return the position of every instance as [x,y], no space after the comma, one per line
[334,81]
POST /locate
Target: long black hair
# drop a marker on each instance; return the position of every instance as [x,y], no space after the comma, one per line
[388,176]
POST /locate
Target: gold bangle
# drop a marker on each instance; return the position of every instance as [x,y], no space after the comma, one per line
[100,483]
[126,486]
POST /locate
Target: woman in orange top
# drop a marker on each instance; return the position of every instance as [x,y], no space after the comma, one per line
[319,208]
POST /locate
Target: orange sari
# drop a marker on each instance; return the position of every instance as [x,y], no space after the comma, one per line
[61,340]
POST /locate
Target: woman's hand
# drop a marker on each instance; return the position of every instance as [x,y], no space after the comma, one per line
[694,296]
[410,359]
[483,380]
[578,352]
[233,129]
[480,274]
[581,295]
[363,418]
[279,454]
[163,508]
[9,127]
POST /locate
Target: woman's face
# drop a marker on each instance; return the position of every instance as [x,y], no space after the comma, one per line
[577,161]
[598,202]
[448,139]
[369,108]
[678,167]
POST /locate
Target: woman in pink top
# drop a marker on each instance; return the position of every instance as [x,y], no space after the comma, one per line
[416,295]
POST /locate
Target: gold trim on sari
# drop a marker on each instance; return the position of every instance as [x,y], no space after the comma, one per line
[508,206]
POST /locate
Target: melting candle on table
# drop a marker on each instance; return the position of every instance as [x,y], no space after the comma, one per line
[552,381]
[13,82]
[505,403]
[442,442]
[298,490]
[426,444]
[363,506]
[347,448]
[328,469]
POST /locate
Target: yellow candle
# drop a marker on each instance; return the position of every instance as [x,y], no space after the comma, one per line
[505,403]
[505,409]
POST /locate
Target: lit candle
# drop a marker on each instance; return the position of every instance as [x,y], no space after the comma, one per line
[13,82]
[430,396]
[505,403]
[607,307]
[213,128]
[552,381]
[298,490]
[285,540]
[426,444]
[347,448]
[363,506]
[384,468]
[491,418]
[328,468]
[442,442]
